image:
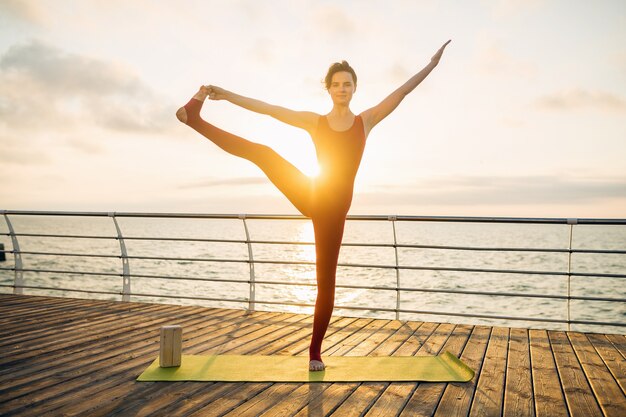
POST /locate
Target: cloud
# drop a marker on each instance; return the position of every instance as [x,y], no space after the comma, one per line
[226,181]
[15,152]
[580,98]
[85,146]
[492,58]
[42,86]
[507,8]
[22,10]
[529,190]
[334,21]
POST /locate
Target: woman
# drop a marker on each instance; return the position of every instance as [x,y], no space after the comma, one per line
[339,138]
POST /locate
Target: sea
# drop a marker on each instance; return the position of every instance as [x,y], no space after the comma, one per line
[174,271]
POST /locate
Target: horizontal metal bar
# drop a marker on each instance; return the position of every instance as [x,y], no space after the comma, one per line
[363,287]
[495,271]
[87,255]
[184,239]
[165,258]
[505,271]
[62,236]
[581,221]
[496,249]
[451,291]
[190,297]
[347,244]
[66,289]
[56,271]
[179,278]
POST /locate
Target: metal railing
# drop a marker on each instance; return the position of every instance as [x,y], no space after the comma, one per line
[126,274]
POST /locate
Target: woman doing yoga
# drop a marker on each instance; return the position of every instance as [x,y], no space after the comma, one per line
[339,138]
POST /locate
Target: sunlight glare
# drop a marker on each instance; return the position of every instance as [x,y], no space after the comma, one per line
[306,253]
[311,169]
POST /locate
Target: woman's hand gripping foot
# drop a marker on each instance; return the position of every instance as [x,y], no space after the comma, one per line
[315,366]
[201,95]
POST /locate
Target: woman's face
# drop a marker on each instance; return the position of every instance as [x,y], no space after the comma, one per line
[341,88]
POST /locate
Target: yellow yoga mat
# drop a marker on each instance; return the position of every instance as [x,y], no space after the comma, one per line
[248,368]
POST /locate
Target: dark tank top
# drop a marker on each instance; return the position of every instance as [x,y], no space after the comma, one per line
[339,155]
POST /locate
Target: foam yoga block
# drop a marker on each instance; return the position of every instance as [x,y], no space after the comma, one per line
[171,346]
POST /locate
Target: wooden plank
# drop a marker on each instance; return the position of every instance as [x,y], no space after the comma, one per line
[26,307]
[335,335]
[45,313]
[322,400]
[605,389]
[611,358]
[359,400]
[423,401]
[21,299]
[96,376]
[165,399]
[457,397]
[298,398]
[518,391]
[73,336]
[338,330]
[337,393]
[73,320]
[66,313]
[65,336]
[619,341]
[358,343]
[142,391]
[41,367]
[549,400]
[108,380]
[259,398]
[70,364]
[394,398]
[420,338]
[578,394]
[403,334]
[489,395]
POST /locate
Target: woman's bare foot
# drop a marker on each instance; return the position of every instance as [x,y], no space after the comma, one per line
[315,366]
[201,95]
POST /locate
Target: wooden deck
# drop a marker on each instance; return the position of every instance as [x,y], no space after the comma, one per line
[62,356]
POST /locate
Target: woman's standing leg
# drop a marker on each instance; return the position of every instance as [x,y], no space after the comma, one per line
[328,234]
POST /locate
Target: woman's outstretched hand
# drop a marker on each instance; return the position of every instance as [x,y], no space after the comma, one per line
[214,92]
[435,59]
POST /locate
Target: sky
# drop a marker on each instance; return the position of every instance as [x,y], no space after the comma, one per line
[525,116]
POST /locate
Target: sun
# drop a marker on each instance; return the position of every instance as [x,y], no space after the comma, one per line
[308,166]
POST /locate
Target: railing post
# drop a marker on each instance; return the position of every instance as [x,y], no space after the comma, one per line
[18,280]
[571,223]
[125,265]
[251,298]
[393,219]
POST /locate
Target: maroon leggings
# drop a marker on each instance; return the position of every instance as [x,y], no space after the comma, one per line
[328,217]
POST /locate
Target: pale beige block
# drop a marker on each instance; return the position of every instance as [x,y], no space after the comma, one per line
[171,346]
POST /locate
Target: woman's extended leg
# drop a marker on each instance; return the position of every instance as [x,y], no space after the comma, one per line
[290,180]
[328,234]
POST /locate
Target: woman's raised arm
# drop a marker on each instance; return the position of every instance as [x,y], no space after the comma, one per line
[303,119]
[373,116]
